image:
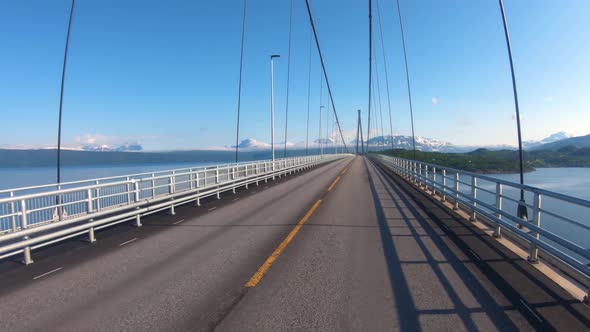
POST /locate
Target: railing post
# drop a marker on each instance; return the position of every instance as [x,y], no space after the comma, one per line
[456,207]
[498,230]
[91,236]
[426,177]
[433,181]
[420,175]
[233,176]
[136,190]
[273,170]
[171,184]
[474,197]
[153,186]
[26,250]
[97,198]
[89,205]
[197,179]
[217,174]
[128,192]
[444,185]
[191,176]
[172,189]
[534,251]
[13,218]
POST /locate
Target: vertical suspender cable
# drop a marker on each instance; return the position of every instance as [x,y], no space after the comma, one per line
[61,93]
[320,125]
[370,70]
[357,131]
[317,42]
[401,26]
[240,79]
[288,77]
[522,209]
[308,96]
[375,124]
[386,75]
[381,141]
[361,131]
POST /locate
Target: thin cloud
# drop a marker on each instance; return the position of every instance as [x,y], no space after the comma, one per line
[434,101]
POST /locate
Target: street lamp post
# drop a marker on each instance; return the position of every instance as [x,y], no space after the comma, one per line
[320,136]
[272,108]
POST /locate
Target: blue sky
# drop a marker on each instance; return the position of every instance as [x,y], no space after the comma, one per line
[164,74]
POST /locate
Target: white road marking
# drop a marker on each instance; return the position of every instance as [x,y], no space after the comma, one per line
[213,208]
[178,222]
[46,273]
[235,199]
[127,242]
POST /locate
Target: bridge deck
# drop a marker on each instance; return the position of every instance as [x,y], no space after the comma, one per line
[375,255]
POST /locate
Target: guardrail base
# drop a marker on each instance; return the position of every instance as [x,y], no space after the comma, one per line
[137,222]
[532,260]
[27,260]
[91,237]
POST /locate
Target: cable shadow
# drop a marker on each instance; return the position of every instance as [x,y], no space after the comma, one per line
[494,311]
[515,264]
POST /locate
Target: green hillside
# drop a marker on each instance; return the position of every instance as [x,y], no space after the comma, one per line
[503,161]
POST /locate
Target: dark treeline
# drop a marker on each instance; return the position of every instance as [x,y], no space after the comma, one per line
[503,161]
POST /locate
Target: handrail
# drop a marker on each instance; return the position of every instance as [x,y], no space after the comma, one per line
[463,194]
[189,169]
[64,211]
[572,199]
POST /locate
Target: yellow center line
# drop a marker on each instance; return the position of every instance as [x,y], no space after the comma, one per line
[255,279]
[270,260]
[333,183]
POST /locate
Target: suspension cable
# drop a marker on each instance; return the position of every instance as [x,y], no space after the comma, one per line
[381,143]
[308,95]
[288,77]
[321,145]
[401,26]
[370,70]
[240,79]
[317,42]
[386,75]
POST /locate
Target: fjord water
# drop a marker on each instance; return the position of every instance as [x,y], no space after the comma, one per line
[569,181]
[32,176]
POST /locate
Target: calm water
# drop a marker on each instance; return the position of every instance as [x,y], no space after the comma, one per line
[24,177]
[570,181]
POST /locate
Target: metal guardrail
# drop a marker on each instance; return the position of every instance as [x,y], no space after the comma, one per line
[495,200]
[33,217]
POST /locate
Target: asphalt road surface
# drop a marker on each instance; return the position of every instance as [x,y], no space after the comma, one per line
[341,247]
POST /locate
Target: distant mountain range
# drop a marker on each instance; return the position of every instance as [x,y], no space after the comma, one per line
[576,142]
[530,145]
[124,147]
[405,142]
[552,142]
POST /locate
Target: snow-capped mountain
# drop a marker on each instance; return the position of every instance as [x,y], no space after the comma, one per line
[550,139]
[104,147]
[251,143]
[405,142]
